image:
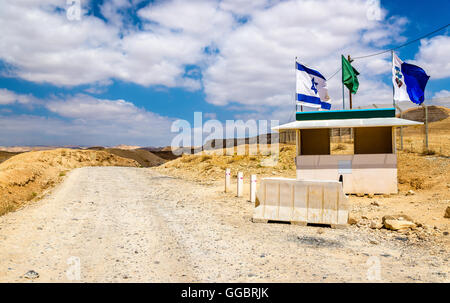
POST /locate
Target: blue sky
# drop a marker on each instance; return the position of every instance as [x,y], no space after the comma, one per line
[125,70]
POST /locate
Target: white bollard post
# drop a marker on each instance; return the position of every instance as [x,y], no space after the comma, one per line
[227,180]
[253,188]
[240,184]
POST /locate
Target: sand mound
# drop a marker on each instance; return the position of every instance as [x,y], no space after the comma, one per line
[164,154]
[25,176]
[143,157]
[208,166]
[435,113]
[127,147]
[4,155]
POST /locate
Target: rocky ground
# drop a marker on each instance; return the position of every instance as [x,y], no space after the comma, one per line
[137,224]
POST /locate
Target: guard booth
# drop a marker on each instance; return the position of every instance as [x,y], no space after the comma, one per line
[372,166]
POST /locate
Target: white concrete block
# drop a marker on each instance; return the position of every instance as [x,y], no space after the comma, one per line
[301,201]
[240,184]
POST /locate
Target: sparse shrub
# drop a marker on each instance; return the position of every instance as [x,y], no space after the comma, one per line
[340,146]
[32,196]
[205,158]
[428,152]
[186,158]
[416,183]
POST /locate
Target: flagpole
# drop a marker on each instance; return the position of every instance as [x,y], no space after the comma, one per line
[295,95]
[342,80]
[349,91]
[393,88]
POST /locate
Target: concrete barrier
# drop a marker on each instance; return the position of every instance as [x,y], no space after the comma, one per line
[301,202]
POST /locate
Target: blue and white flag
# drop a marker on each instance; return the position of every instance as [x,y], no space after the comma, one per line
[409,81]
[311,88]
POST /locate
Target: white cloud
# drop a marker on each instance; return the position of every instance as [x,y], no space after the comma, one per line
[255,65]
[10,97]
[250,67]
[243,7]
[82,119]
[442,94]
[42,45]
[434,56]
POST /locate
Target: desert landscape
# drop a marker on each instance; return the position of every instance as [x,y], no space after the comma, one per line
[143,214]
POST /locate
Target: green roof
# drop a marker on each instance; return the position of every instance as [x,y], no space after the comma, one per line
[346,114]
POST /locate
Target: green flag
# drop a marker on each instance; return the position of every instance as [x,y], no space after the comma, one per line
[349,74]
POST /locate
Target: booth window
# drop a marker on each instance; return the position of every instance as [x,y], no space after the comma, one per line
[341,141]
[345,141]
[373,140]
[315,141]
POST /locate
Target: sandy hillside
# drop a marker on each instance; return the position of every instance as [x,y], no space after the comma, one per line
[435,113]
[212,166]
[143,157]
[4,155]
[25,176]
[438,134]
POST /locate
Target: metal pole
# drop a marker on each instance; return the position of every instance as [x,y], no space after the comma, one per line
[401,127]
[393,89]
[342,80]
[349,91]
[426,127]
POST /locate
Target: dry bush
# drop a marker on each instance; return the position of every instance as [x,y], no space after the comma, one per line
[339,146]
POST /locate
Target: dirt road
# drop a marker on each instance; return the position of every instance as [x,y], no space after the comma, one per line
[134,224]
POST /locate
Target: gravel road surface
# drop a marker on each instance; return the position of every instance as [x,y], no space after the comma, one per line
[117,224]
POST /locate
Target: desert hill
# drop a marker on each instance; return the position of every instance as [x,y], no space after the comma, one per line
[143,157]
[435,113]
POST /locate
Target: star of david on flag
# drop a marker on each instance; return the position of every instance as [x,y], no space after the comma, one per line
[311,88]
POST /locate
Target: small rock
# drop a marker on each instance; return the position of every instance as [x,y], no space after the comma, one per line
[447,212]
[31,274]
[352,220]
[375,225]
[399,225]
[375,203]
[397,217]
[410,193]
[373,242]
[364,217]
[445,233]
[320,231]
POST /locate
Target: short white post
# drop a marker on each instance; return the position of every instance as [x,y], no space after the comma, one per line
[253,188]
[240,184]
[227,180]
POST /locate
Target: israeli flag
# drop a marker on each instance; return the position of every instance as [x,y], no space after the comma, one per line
[409,81]
[311,88]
